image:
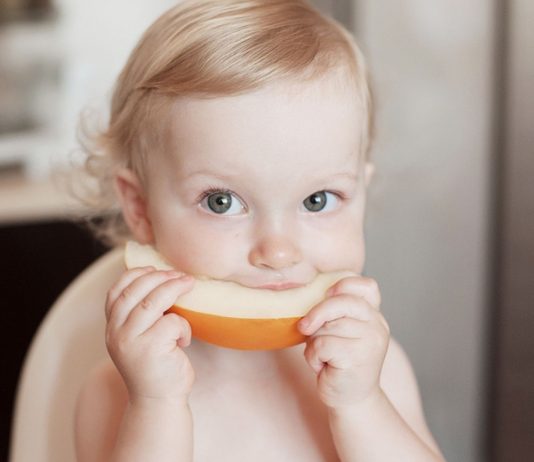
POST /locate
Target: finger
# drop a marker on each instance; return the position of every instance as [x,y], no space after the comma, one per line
[124,281]
[339,306]
[359,286]
[134,293]
[375,332]
[353,328]
[344,328]
[172,329]
[152,307]
[334,351]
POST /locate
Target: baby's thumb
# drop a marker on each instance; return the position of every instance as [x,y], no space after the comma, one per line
[172,329]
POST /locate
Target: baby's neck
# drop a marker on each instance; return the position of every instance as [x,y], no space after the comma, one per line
[230,363]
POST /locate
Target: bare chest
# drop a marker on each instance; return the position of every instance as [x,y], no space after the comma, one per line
[279,418]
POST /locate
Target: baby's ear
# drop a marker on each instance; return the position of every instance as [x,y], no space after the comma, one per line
[369,171]
[133,204]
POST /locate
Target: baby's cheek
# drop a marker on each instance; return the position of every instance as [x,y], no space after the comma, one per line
[340,252]
[201,252]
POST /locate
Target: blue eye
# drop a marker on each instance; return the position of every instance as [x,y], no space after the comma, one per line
[222,203]
[320,201]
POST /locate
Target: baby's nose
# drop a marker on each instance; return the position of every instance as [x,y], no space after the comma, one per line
[275,252]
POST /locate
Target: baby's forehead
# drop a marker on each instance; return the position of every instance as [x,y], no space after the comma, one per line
[313,119]
[288,103]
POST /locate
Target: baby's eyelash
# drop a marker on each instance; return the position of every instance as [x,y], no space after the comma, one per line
[217,190]
[340,195]
[213,190]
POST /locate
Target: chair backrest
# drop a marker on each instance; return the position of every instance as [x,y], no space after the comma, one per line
[68,343]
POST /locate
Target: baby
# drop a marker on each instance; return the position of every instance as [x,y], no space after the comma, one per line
[238,147]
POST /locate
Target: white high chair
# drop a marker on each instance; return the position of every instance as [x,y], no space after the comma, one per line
[68,343]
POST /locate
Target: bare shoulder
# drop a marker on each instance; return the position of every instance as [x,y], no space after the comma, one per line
[399,382]
[99,411]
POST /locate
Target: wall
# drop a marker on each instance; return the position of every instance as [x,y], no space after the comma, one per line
[429,206]
[512,417]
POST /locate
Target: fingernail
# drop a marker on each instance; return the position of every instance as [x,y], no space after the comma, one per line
[183,278]
[303,324]
[178,275]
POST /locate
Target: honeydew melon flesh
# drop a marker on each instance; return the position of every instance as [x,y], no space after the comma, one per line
[231,315]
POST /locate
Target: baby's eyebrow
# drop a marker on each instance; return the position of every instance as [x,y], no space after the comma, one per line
[352,176]
[205,173]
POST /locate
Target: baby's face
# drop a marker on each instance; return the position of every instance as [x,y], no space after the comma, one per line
[265,189]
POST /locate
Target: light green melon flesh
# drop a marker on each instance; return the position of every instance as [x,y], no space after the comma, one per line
[225,298]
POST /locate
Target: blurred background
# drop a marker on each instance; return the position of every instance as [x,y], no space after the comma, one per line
[450,226]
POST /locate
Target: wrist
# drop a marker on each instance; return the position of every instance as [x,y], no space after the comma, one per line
[174,402]
[361,408]
[171,413]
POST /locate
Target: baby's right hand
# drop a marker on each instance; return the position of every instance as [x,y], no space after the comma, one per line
[145,344]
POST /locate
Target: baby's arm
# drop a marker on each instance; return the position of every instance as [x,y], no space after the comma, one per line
[103,415]
[137,408]
[392,425]
[368,387]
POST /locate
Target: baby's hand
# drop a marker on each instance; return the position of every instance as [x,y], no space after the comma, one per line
[348,342]
[145,344]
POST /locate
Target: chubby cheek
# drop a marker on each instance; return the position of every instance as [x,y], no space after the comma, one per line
[337,244]
[198,250]
[344,252]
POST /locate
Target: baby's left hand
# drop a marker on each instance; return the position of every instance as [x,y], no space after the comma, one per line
[348,342]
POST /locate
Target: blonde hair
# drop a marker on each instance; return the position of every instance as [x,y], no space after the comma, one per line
[205,49]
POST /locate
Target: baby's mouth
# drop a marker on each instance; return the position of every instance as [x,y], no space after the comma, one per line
[275,285]
[279,285]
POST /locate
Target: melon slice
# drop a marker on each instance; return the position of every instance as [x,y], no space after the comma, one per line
[230,315]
